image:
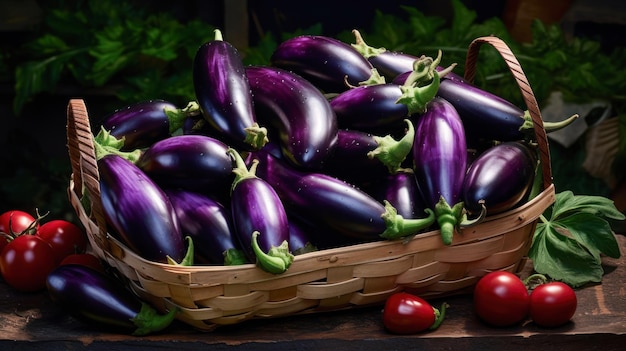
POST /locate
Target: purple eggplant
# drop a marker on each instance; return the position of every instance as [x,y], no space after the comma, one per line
[223,93]
[191,162]
[259,218]
[144,123]
[440,162]
[138,211]
[301,237]
[300,115]
[209,224]
[98,299]
[372,107]
[362,157]
[342,211]
[501,177]
[486,115]
[329,64]
[400,189]
[391,64]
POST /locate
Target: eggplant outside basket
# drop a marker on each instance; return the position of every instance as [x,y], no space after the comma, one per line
[326,280]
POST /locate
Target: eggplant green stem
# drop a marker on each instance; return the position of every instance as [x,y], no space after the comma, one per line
[466,223]
[363,48]
[234,257]
[399,227]
[104,144]
[241,170]
[277,260]
[256,136]
[393,152]
[548,126]
[177,116]
[448,218]
[148,320]
[218,35]
[189,255]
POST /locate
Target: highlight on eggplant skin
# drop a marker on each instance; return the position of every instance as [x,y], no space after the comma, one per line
[102,301]
[138,211]
[501,176]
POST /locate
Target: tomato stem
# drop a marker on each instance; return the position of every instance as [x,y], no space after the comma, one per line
[439,315]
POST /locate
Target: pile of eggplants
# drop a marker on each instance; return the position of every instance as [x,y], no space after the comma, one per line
[300,147]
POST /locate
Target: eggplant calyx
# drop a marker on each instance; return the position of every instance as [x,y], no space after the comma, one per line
[448,218]
[177,116]
[234,257]
[374,79]
[189,255]
[398,227]
[277,260]
[241,170]
[148,320]
[416,98]
[361,46]
[256,136]
[218,35]
[393,152]
[104,144]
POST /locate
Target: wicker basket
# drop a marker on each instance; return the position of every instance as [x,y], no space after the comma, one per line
[326,280]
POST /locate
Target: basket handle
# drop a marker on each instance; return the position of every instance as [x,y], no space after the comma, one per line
[526,90]
[83,158]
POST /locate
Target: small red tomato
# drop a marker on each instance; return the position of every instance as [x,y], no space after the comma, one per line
[84,259]
[65,237]
[26,262]
[15,222]
[501,299]
[406,313]
[552,304]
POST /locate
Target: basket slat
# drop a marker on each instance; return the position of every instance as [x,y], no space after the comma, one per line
[333,279]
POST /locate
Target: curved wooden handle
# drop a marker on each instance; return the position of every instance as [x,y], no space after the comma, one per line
[525,89]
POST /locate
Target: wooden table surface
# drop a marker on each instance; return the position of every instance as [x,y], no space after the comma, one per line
[33,322]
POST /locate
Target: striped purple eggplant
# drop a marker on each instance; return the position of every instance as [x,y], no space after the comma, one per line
[372,107]
[259,218]
[489,116]
[440,162]
[98,299]
[343,212]
[299,115]
[362,157]
[223,93]
[502,177]
[209,224]
[329,64]
[391,64]
[191,162]
[146,122]
[138,211]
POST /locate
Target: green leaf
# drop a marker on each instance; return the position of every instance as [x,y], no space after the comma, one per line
[592,232]
[566,203]
[563,259]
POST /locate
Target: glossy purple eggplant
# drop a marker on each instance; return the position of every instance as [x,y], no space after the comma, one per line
[362,157]
[489,116]
[372,107]
[223,93]
[400,189]
[342,211]
[440,162]
[147,122]
[191,162]
[100,300]
[329,64]
[502,177]
[259,218]
[390,64]
[299,115]
[138,211]
[209,224]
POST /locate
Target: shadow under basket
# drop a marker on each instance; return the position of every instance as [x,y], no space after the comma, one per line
[325,280]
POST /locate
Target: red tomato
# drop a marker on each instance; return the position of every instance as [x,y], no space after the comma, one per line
[15,222]
[406,313]
[26,262]
[552,304]
[65,237]
[501,299]
[84,259]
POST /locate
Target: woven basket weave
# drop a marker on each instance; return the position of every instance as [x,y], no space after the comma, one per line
[326,280]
